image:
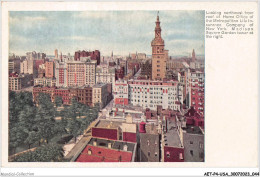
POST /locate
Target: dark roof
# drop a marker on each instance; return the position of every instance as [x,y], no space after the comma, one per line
[193,130]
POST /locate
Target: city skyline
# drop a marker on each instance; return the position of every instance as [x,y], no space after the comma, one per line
[122,32]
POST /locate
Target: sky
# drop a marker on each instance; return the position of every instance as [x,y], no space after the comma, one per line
[122,32]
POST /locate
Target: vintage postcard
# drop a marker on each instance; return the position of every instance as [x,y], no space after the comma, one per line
[129,84]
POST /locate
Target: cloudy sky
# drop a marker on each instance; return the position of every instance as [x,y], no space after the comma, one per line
[118,31]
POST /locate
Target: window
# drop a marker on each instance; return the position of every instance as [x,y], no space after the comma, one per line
[149,153]
[148,142]
[201,145]
[158,65]
[155,154]
[168,154]
[158,61]
[191,152]
[191,142]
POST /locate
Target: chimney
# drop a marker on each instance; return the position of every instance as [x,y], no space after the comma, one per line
[142,127]
[109,145]
[95,143]
[125,147]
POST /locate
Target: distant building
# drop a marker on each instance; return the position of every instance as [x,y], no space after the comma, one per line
[76,74]
[65,93]
[41,71]
[20,81]
[35,56]
[94,55]
[193,55]
[14,65]
[84,95]
[56,54]
[133,65]
[39,89]
[45,82]
[120,73]
[105,74]
[120,92]
[146,69]
[141,56]
[61,74]
[15,83]
[49,69]
[90,71]
[100,94]
[81,73]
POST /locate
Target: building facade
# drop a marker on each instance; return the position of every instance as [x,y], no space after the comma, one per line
[197,79]
[150,94]
[49,69]
[105,74]
[120,92]
[94,55]
[51,82]
[61,74]
[100,94]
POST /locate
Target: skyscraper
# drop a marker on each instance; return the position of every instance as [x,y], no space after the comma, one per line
[159,55]
[56,53]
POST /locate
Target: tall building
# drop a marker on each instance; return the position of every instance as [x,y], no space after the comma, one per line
[56,53]
[193,55]
[76,74]
[197,80]
[159,55]
[49,69]
[61,74]
[90,71]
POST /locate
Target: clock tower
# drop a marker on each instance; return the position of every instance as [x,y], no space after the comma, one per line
[159,55]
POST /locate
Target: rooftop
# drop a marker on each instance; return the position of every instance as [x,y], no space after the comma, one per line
[101,150]
[172,138]
[108,124]
[98,85]
[193,130]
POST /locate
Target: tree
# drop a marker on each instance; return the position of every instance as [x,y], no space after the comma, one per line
[16,137]
[74,125]
[47,153]
[58,101]
[45,117]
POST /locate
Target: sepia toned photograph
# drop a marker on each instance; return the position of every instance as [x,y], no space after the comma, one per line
[106,86]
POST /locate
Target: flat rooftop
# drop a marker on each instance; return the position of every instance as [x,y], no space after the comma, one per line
[117,145]
[193,130]
[108,124]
